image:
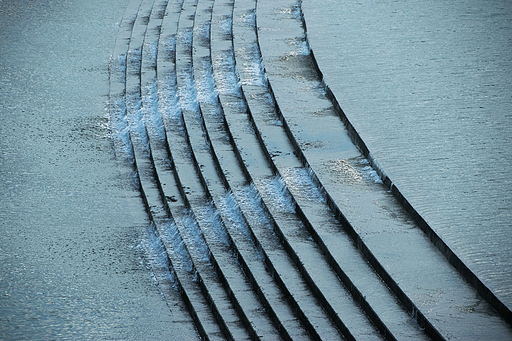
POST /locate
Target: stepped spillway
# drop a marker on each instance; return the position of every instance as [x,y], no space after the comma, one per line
[270,219]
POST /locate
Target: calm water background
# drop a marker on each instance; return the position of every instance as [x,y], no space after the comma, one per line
[70,259]
[428,86]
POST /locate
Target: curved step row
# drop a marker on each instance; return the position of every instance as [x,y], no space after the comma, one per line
[286,54]
[212,311]
[234,111]
[242,199]
[182,275]
[347,261]
[229,174]
[220,243]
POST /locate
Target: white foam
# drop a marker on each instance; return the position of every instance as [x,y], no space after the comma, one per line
[150,50]
[226,78]
[372,174]
[119,131]
[369,172]
[155,257]
[136,125]
[252,66]
[249,17]
[250,201]
[187,91]
[230,209]
[168,98]
[301,184]
[151,112]
[206,91]
[209,218]
[170,236]
[227,25]
[120,67]
[193,237]
[276,193]
[300,47]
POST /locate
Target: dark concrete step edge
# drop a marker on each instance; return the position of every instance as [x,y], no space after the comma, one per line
[411,308]
[225,283]
[452,258]
[358,297]
[268,261]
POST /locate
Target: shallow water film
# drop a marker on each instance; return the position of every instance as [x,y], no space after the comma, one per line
[241,169]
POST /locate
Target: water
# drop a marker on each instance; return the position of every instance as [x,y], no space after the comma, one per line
[69,221]
[427,84]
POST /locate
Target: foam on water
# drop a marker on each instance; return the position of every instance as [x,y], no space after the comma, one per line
[274,189]
[226,80]
[253,66]
[193,237]
[208,217]
[249,17]
[136,123]
[301,184]
[150,51]
[227,26]
[170,235]
[120,67]
[119,131]
[168,99]
[250,201]
[151,112]
[300,47]
[229,208]
[135,58]
[370,173]
[206,91]
[187,91]
[155,257]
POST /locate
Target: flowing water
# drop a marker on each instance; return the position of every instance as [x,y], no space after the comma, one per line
[427,84]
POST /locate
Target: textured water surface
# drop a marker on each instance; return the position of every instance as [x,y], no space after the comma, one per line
[427,86]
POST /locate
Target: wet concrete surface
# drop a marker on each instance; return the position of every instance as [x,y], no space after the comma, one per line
[427,86]
[266,221]
[70,261]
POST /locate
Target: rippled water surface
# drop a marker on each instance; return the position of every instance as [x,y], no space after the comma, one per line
[427,84]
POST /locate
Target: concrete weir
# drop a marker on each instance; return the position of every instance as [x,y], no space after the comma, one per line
[264,216]
[242,156]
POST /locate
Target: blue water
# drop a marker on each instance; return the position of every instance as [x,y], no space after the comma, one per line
[428,86]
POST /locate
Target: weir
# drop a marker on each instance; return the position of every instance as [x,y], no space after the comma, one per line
[273,224]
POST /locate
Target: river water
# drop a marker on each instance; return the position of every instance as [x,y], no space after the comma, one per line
[427,84]
[72,227]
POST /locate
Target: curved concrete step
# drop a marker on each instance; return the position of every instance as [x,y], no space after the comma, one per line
[297,177]
[209,302]
[298,99]
[265,216]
